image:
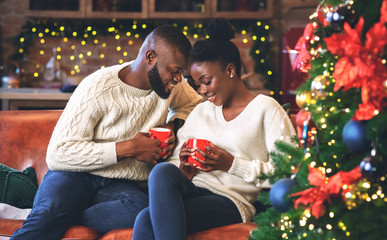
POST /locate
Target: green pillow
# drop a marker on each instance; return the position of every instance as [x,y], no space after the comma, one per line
[17,188]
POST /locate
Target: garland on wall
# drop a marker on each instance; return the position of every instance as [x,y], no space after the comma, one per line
[88,31]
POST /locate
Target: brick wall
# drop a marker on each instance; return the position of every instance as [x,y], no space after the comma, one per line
[78,60]
[12,19]
[90,57]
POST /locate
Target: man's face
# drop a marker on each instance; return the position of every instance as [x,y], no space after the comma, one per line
[157,83]
[167,72]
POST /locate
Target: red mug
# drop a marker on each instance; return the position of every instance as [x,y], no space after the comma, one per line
[160,134]
[202,145]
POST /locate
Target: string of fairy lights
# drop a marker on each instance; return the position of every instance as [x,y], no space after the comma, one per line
[80,40]
[286,225]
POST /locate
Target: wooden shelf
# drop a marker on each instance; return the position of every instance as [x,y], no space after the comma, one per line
[90,13]
[204,10]
[80,13]
[33,98]
[267,12]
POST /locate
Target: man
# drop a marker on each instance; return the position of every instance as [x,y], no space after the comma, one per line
[99,154]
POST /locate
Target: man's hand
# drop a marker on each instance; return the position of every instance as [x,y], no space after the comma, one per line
[141,147]
[171,141]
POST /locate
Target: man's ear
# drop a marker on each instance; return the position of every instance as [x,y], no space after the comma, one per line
[150,56]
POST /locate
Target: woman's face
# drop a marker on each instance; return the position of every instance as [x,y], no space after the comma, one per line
[212,80]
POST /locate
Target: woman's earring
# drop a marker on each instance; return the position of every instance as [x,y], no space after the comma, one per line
[231,76]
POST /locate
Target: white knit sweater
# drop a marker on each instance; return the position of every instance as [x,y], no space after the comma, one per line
[104,110]
[249,138]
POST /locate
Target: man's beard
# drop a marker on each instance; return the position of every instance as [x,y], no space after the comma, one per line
[157,83]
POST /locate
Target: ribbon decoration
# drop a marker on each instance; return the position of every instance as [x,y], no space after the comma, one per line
[360,65]
[315,197]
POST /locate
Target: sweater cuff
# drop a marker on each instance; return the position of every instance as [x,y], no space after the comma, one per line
[109,154]
[239,167]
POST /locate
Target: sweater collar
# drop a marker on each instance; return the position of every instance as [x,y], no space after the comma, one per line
[137,92]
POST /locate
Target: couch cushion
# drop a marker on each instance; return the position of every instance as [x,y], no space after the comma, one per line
[238,231]
[17,188]
[81,232]
[118,234]
[24,138]
[8,226]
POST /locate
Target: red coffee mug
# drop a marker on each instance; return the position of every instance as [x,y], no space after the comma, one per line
[202,145]
[160,134]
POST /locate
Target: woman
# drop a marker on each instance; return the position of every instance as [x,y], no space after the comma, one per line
[242,129]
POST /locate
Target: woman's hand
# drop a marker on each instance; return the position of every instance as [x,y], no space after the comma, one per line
[187,168]
[216,158]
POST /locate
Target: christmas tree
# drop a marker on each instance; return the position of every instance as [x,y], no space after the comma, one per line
[331,183]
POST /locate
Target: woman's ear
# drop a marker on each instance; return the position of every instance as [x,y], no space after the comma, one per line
[150,56]
[230,70]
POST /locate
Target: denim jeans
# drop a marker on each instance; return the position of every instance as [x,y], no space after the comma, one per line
[67,198]
[177,207]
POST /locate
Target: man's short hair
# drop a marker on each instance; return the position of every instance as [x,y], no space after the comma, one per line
[173,37]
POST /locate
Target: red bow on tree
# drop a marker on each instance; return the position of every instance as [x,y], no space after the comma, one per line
[360,65]
[314,198]
[303,59]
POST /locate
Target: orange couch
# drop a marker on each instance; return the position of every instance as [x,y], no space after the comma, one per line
[24,139]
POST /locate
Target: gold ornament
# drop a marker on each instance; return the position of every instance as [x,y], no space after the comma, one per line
[303,98]
[318,87]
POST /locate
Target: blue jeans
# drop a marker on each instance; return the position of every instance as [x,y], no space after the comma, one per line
[177,207]
[67,198]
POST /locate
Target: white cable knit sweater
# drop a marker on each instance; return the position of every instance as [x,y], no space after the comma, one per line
[104,110]
[249,138]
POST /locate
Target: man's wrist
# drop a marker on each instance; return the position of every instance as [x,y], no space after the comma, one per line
[124,150]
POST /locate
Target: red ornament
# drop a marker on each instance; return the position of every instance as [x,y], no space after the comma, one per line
[303,59]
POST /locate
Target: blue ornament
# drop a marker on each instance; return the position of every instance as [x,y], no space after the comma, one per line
[372,167]
[279,194]
[355,136]
[341,14]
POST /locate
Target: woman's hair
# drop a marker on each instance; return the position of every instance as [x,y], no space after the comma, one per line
[218,46]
